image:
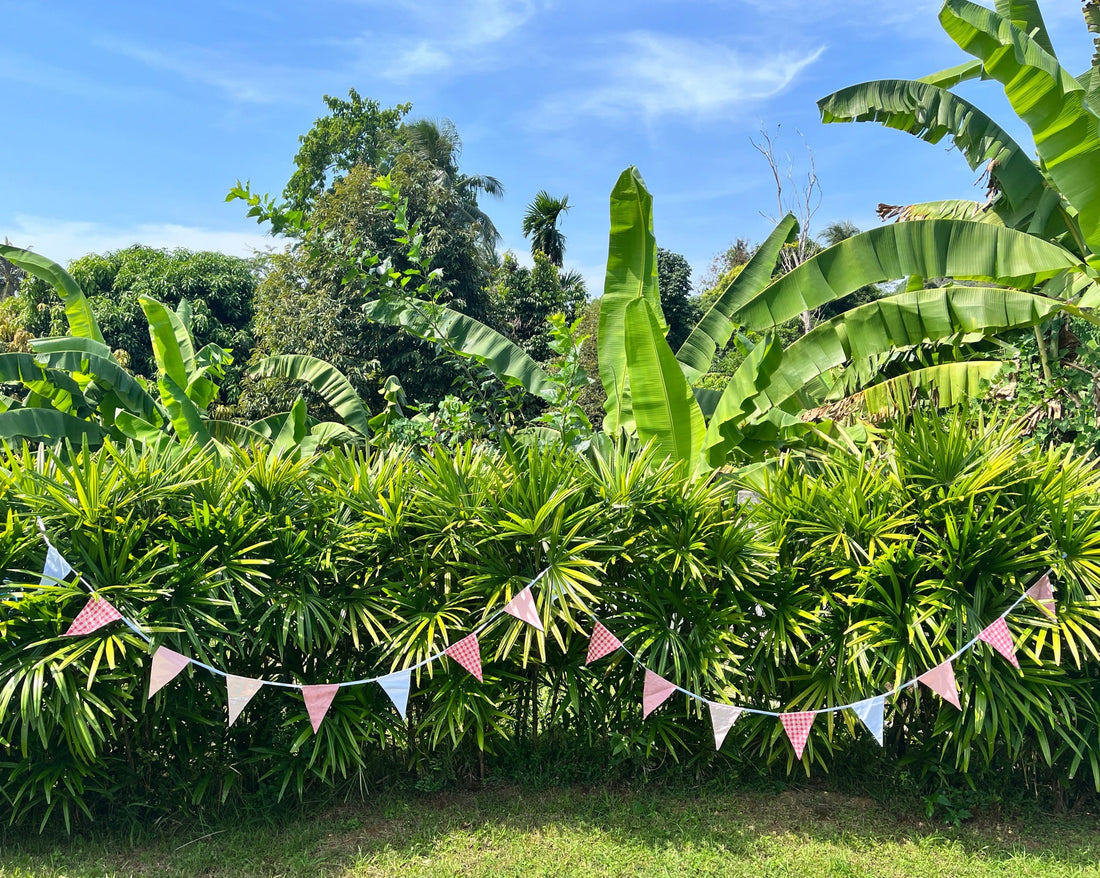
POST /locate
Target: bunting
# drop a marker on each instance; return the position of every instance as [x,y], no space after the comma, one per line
[603,642]
[96,613]
[871,713]
[941,680]
[797,726]
[997,635]
[1043,595]
[467,652]
[241,691]
[522,606]
[722,718]
[167,665]
[318,699]
[655,693]
[56,569]
[396,686]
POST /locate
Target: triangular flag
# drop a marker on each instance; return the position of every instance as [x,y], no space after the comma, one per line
[467,653]
[1043,594]
[241,690]
[998,636]
[56,568]
[522,606]
[318,699]
[656,692]
[396,685]
[870,712]
[167,665]
[602,643]
[722,718]
[797,726]
[941,680]
[96,613]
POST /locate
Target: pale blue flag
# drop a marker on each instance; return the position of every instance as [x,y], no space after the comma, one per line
[870,712]
[396,686]
[55,569]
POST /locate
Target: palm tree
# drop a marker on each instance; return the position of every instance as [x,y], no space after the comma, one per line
[540,224]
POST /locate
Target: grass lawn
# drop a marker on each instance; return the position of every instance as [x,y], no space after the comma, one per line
[590,832]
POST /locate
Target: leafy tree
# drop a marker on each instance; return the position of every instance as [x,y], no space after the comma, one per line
[540,224]
[528,296]
[677,303]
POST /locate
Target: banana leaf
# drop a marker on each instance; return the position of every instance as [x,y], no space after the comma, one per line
[78,312]
[108,375]
[952,76]
[186,418]
[1026,16]
[51,387]
[948,383]
[48,425]
[172,346]
[1048,99]
[329,382]
[928,248]
[713,331]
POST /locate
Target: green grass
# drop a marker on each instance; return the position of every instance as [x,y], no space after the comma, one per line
[589,832]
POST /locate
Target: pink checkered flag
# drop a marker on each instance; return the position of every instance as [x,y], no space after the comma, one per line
[941,680]
[1043,594]
[318,699]
[167,665]
[797,726]
[467,653]
[722,718]
[603,642]
[241,691]
[96,613]
[656,692]
[522,606]
[998,636]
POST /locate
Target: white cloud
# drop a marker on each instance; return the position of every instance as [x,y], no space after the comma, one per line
[658,75]
[65,240]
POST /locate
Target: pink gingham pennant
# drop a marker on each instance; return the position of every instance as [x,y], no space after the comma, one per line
[1043,594]
[318,699]
[797,726]
[655,693]
[941,680]
[602,643]
[467,653]
[167,665]
[96,613]
[998,636]
[722,718]
[522,606]
[241,691]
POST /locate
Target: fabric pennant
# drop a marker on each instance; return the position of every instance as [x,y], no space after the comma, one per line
[96,613]
[722,718]
[56,569]
[397,685]
[241,691]
[797,726]
[655,693]
[603,642]
[467,653]
[167,665]
[1042,594]
[318,699]
[941,680]
[522,606]
[870,712]
[999,637]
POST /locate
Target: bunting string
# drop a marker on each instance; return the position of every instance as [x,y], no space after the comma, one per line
[167,664]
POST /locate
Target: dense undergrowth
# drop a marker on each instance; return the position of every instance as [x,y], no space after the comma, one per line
[851,572]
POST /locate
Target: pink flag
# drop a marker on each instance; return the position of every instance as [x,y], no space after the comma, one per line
[997,635]
[602,643]
[318,699]
[467,653]
[941,680]
[722,718]
[241,690]
[522,606]
[167,665]
[655,693]
[1043,594]
[797,726]
[96,613]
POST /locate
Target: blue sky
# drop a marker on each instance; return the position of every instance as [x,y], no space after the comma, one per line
[128,122]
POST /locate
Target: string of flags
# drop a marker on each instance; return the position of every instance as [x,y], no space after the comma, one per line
[168,664]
